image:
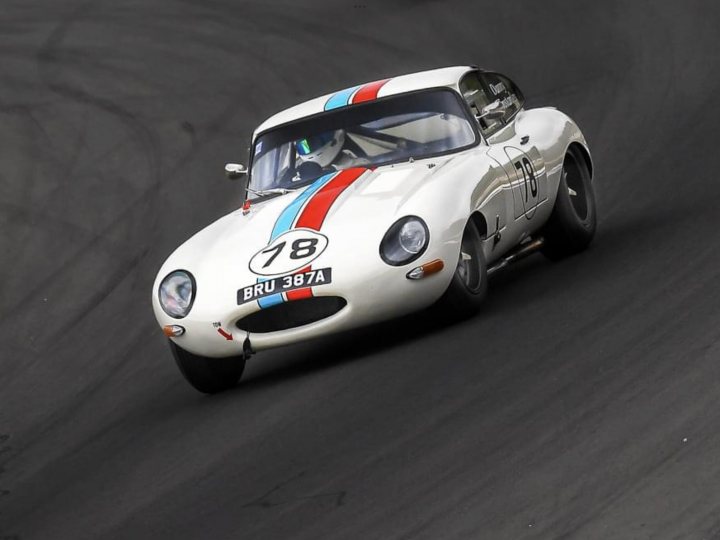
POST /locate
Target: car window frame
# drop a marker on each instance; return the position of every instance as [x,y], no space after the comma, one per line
[504,122]
[469,116]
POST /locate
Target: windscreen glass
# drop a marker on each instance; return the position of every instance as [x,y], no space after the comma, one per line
[395,129]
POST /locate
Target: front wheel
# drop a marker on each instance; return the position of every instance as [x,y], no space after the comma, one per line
[468,287]
[572,224]
[208,375]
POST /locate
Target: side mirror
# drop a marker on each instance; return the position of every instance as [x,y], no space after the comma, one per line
[235,170]
[492,111]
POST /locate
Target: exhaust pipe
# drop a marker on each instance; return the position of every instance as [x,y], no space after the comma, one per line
[522,251]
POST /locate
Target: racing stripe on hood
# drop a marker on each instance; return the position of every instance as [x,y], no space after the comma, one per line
[287,217]
[285,222]
[356,94]
[317,208]
[309,210]
[314,213]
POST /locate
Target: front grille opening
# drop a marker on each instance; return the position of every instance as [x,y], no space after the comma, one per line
[291,314]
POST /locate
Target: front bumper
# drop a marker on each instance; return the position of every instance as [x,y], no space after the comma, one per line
[350,302]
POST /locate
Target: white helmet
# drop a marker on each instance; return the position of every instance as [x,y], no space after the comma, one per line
[321,149]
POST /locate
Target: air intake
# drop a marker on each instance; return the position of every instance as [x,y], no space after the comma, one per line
[291,314]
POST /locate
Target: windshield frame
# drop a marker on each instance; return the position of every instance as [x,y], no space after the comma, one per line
[469,117]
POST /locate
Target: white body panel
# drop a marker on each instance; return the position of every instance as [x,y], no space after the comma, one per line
[444,191]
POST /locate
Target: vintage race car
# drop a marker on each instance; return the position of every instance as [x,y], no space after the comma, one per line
[370,203]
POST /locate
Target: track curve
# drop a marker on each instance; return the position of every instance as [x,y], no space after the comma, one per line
[581,403]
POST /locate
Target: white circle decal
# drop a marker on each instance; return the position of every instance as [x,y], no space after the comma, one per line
[288,253]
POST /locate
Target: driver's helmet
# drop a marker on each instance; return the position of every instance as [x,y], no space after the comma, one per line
[321,149]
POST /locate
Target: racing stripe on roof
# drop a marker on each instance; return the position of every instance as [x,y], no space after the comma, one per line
[369,92]
[316,210]
[340,99]
[356,94]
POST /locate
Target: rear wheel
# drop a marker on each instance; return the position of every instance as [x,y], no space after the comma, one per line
[572,224]
[468,287]
[208,375]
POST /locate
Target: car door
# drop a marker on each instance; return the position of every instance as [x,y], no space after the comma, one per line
[513,149]
[500,210]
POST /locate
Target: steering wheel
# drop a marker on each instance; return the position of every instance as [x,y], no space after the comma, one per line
[309,170]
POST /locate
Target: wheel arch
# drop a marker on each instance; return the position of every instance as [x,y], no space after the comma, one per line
[583,152]
[478,218]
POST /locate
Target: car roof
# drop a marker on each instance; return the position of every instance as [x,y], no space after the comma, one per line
[448,76]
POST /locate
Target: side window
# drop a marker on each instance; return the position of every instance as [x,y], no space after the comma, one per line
[272,164]
[503,89]
[476,96]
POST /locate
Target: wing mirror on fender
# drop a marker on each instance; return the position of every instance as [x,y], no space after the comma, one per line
[492,111]
[235,170]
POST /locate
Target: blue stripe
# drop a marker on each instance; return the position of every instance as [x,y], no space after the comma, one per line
[290,214]
[284,223]
[269,301]
[340,99]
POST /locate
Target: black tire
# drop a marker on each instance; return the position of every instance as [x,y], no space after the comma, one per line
[208,375]
[468,287]
[572,224]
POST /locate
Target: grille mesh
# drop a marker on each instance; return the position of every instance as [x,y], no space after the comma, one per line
[291,314]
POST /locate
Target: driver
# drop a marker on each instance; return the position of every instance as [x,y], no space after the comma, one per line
[328,151]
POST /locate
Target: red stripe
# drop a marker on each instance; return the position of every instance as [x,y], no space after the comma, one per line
[299,294]
[314,213]
[369,91]
[316,209]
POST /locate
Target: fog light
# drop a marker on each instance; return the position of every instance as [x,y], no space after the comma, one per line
[427,269]
[173,330]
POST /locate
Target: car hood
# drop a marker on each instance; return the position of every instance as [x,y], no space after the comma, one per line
[354,224]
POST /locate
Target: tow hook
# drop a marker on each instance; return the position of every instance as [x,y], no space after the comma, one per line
[247,347]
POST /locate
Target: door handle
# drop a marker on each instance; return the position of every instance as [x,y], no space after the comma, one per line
[524,139]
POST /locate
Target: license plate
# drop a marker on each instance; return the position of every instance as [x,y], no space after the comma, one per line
[311,278]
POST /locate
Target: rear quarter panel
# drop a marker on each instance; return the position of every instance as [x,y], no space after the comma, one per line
[552,131]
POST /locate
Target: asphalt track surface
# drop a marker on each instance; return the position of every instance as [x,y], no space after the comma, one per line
[583,402]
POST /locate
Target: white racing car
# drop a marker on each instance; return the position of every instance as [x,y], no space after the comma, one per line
[371,203]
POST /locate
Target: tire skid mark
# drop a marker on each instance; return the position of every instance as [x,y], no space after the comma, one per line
[48,58]
[152,192]
[270,499]
[65,169]
[49,66]
[46,478]
[87,305]
[4,493]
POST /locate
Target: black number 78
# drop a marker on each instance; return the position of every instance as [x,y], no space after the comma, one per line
[527,171]
[300,249]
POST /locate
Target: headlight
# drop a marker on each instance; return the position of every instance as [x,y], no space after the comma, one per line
[176,293]
[405,241]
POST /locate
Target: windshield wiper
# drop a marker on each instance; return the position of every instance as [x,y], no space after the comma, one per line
[272,191]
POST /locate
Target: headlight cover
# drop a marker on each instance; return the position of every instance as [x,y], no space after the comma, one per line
[177,293]
[405,241]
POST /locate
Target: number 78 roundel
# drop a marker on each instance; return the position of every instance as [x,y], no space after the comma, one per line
[288,253]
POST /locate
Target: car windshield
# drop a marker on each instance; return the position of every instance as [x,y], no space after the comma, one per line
[393,129]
